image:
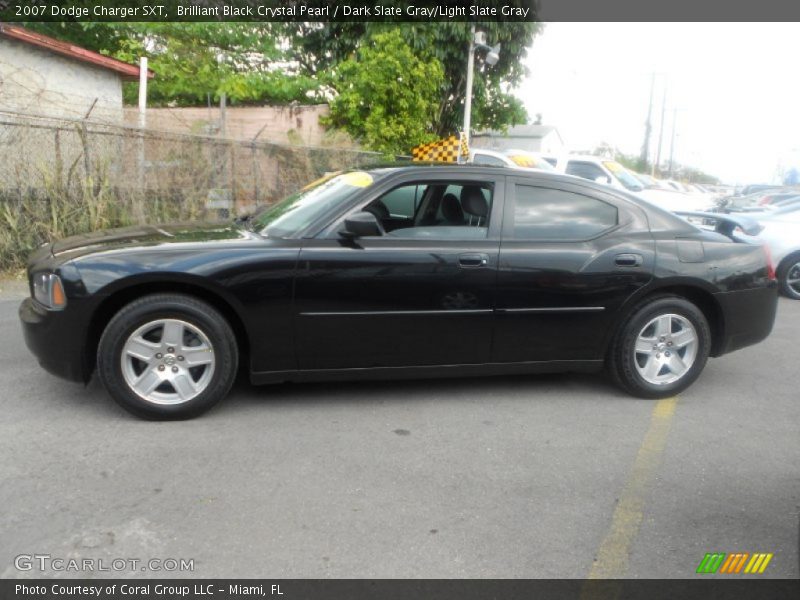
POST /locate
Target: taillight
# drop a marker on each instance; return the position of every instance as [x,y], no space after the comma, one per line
[765,200]
[771,275]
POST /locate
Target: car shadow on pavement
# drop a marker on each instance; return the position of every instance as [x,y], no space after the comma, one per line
[93,401]
[574,386]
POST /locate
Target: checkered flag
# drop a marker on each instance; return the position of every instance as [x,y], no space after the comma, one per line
[447,150]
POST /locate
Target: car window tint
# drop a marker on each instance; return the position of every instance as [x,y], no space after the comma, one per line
[445,210]
[548,214]
[586,170]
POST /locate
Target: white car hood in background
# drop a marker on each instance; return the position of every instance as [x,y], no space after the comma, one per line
[676,200]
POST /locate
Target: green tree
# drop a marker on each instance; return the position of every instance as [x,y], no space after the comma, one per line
[318,47]
[387,94]
[246,61]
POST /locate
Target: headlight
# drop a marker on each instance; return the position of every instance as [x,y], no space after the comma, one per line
[48,290]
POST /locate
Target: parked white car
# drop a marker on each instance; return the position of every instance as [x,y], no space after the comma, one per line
[516,159]
[600,170]
[610,172]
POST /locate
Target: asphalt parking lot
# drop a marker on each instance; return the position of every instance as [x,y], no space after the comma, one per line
[539,476]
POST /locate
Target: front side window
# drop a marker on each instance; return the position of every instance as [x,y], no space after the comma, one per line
[440,210]
[544,214]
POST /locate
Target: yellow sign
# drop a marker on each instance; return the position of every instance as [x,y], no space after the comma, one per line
[357,179]
[529,162]
[446,150]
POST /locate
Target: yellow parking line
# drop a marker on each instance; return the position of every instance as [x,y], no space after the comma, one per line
[612,556]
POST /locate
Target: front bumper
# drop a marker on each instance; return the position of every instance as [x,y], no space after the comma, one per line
[748,316]
[55,338]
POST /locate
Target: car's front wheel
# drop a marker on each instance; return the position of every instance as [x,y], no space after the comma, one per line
[661,349]
[167,356]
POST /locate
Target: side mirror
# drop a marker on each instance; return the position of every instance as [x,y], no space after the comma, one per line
[602,179]
[361,224]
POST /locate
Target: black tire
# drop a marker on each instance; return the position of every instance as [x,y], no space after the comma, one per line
[622,361]
[789,268]
[189,310]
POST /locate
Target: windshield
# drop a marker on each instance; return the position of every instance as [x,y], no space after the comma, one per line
[293,214]
[529,161]
[646,180]
[624,176]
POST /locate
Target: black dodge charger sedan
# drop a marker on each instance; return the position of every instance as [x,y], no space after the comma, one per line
[400,271]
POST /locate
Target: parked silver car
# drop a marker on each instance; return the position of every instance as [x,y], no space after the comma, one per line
[781,232]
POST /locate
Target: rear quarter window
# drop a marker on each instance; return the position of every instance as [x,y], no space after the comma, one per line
[545,214]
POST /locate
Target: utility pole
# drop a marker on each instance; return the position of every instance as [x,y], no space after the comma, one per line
[468,92]
[142,92]
[657,161]
[647,128]
[138,206]
[223,115]
[477,42]
[672,142]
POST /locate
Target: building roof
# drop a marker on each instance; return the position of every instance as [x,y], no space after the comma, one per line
[125,70]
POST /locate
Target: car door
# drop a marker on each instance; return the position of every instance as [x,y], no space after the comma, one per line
[422,294]
[570,257]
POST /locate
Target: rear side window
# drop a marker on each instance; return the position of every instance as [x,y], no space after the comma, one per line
[544,214]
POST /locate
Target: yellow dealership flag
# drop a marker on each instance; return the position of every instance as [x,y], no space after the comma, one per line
[445,150]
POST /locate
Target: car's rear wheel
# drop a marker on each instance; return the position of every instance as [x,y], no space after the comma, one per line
[789,277]
[167,356]
[661,349]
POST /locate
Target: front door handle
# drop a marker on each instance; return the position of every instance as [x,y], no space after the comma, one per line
[628,260]
[473,260]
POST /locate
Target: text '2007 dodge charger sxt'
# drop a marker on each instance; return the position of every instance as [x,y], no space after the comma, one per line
[401,271]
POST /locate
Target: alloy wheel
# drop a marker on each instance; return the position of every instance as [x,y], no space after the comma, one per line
[665,349]
[167,361]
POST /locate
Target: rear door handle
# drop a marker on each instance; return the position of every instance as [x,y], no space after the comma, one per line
[473,260]
[628,260]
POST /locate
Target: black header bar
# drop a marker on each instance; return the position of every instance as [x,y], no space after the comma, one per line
[734,588]
[432,11]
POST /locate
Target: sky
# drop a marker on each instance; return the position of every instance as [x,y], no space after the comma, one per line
[734,87]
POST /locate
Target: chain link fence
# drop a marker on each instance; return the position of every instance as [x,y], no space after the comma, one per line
[61,177]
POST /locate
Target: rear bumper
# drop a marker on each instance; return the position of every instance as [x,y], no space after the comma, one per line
[53,339]
[748,317]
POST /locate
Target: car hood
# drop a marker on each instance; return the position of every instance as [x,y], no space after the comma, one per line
[148,235]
